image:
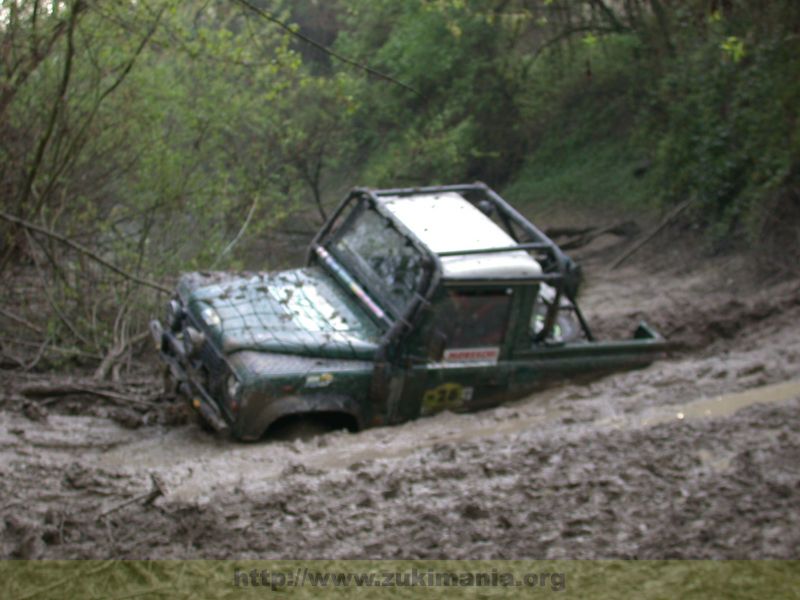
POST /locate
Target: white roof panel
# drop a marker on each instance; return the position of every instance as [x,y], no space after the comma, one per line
[447,222]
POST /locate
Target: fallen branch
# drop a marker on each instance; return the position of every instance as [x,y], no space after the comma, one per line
[55,390]
[146,498]
[9,360]
[557,232]
[58,349]
[85,251]
[667,220]
[39,354]
[624,229]
[116,352]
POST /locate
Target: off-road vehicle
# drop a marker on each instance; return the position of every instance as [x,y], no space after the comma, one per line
[412,301]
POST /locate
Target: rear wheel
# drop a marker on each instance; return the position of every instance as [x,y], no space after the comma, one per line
[567,327]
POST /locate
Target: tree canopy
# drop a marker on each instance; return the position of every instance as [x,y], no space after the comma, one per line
[164,135]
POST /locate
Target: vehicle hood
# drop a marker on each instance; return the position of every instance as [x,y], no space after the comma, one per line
[303,311]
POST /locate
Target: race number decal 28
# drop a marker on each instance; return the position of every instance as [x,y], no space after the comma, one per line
[448,396]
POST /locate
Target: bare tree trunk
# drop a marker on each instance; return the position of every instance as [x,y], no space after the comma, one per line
[58,103]
[663,26]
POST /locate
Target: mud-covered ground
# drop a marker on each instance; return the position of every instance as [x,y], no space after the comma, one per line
[696,456]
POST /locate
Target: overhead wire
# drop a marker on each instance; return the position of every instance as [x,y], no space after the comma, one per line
[330,52]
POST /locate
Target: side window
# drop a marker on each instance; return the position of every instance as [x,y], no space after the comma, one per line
[473,319]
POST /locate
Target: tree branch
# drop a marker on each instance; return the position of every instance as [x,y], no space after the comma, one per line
[674,214]
[239,235]
[568,33]
[9,315]
[19,73]
[60,97]
[609,14]
[85,251]
[75,146]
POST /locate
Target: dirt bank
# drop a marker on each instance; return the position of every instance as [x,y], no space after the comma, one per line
[638,464]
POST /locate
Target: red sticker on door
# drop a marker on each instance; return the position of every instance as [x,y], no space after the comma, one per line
[472,355]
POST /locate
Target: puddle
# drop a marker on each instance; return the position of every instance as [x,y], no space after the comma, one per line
[725,405]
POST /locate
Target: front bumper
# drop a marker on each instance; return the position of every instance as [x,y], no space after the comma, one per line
[173,352]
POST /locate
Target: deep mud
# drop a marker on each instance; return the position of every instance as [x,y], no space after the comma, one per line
[696,456]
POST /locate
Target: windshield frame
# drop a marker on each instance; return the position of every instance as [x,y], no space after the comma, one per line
[365,275]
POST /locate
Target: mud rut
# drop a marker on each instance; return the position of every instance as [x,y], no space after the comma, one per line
[697,456]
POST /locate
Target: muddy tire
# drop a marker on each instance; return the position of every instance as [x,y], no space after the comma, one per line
[567,327]
[202,423]
[298,428]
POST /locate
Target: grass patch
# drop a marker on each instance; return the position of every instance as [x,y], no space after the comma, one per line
[598,174]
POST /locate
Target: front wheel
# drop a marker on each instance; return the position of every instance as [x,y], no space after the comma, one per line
[299,427]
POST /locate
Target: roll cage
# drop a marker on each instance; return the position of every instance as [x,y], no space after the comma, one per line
[558,270]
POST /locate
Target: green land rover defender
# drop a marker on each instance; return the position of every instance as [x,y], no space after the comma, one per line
[412,301]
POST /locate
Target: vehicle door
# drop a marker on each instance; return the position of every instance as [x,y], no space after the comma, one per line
[457,360]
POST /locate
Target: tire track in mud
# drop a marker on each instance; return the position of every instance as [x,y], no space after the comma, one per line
[698,487]
[212,465]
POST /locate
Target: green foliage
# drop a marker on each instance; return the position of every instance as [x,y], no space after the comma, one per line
[725,124]
[464,123]
[180,123]
[582,116]
[187,132]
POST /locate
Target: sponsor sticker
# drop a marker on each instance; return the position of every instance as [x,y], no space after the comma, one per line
[319,380]
[472,355]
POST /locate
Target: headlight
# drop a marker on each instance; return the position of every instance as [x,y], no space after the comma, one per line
[210,316]
[175,315]
[233,387]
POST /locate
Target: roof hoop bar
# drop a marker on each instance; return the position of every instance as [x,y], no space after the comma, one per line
[518,247]
[465,187]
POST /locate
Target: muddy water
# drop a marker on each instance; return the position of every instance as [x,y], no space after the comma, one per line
[719,406]
[695,456]
[204,464]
